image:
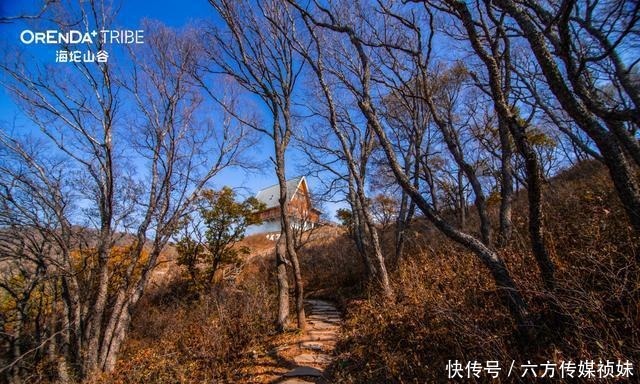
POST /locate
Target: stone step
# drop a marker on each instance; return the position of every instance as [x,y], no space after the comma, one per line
[324,310]
[312,346]
[323,331]
[318,302]
[332,323]
[319,338]
[319,324]
[312,358]
[335,319]
[312,350]
[323,316]
[331,330]
[325,313]
[323,307]
[302,371]
[294,381]
[318,345]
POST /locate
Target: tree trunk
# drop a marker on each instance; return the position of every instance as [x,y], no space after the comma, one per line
[91,354]
[297,278]
[109,334]
[383,276]
[283,284]
[536,214]
[73,335]
[16,351]
[116,331]
[506,185]
[461,201]
[370,232]
[358,230]
[286,235]
[119,333]
[402,222]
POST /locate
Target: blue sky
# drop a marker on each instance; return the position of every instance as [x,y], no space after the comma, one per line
[172,13]
[132,12]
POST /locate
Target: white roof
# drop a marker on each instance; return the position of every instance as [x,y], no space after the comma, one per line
[269,196]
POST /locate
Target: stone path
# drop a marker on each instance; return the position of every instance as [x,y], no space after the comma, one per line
[316,344]
[303,360]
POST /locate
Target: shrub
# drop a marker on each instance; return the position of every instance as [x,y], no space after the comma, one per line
[447,307]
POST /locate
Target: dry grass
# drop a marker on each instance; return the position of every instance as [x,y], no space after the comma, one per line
[182,336]
[331,267]
[447,308]
[257,243]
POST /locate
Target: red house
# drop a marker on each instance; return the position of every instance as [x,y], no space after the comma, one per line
[300,209]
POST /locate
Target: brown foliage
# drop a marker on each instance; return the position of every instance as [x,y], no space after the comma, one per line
[331,267]
[447,308]
[177,337]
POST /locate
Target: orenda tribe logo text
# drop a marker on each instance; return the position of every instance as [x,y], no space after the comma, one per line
[100,38]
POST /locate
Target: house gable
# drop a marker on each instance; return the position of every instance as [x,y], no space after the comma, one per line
[270,195]
[300,207]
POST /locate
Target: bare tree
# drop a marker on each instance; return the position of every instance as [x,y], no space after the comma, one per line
[497,61]
[28,15]
[28,239]
[354,148]
[441,96]
[345,159]
[409,122]
[134,182]
[255,50]
[578,47]
[365,45]
[185,154]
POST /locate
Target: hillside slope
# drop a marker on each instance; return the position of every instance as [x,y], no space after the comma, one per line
[445,306]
